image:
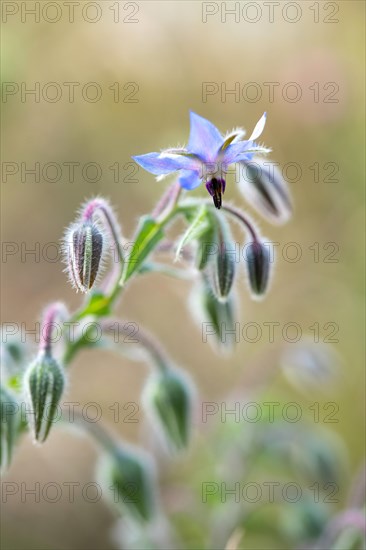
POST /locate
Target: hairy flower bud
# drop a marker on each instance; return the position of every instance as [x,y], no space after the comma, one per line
[264,188]
[44,384]
[223,276]
[84,249]
[215,319]
[128,481]
[168,396]
[258,263]
[9,426]
[221,266]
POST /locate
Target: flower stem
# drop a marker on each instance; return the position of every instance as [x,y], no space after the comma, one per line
[169,198]
[52,312]
[94,429]
[236,213]
[99,205]
[145,340]
[116,290]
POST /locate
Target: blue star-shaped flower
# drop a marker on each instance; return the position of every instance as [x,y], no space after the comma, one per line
[207,156]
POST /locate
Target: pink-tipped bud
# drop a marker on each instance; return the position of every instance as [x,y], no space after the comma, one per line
[85,245]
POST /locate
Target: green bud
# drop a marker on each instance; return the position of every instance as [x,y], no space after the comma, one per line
[223,276]
[258,263]
[44,384]
[9,426]
[205,249]
[216,319]
[168,396]
[129,484]
[221,265]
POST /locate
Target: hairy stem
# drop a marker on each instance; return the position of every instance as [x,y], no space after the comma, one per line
[145,340]
[236,213]
[94,429]
[52,312]
[169,198]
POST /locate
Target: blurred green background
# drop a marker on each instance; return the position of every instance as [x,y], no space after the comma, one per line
[168,54]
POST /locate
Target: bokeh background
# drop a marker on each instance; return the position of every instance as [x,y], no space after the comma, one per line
[167,51]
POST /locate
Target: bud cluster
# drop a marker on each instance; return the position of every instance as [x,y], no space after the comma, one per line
[168,394]
[213,298]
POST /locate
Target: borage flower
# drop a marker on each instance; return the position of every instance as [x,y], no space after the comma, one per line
[207,156]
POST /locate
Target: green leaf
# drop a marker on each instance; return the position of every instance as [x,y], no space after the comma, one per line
[199,226]
[221,316]
[149,233]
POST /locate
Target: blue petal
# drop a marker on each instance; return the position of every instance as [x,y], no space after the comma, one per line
[204,139]
[189,179]
[236,152]
[160,165]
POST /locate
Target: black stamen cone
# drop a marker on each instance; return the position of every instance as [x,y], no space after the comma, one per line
[216,188]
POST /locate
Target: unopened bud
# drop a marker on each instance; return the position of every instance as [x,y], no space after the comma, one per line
[217,317]
[221,267]
[258,263]
[168,396]
[44,384]
[206,247]
[9,426]
[84,250]
[224,274]
[127,479]
[264,188]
